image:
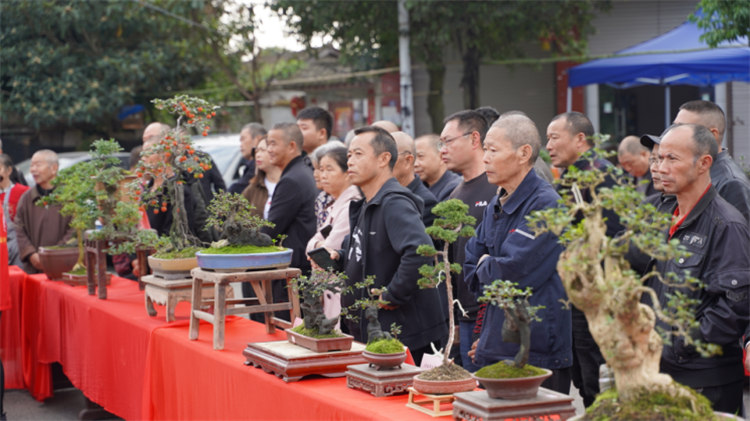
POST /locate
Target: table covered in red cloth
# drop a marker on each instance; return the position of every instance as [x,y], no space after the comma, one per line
[139,367]
[10,332]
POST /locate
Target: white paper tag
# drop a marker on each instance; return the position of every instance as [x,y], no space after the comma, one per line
[297,322]
[431,361]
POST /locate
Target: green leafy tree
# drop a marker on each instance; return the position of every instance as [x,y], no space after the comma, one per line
[725,20]
[75,62]
[368,35]
[598,280]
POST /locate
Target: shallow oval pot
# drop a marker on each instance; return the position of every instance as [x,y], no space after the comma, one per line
[56,260]
[342,343]
[513,388]
[172,269]
[443,387]
[384,361]
[244,261]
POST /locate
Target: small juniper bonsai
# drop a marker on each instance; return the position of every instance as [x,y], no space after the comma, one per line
[378,340]
[518,315]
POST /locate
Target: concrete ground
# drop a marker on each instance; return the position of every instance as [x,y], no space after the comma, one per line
[67,403]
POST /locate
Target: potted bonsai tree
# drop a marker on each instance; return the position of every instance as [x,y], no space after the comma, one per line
[599,281]
[513,379]
[317,332]
[243,246]
[452,221]
[167,167]
[383,351]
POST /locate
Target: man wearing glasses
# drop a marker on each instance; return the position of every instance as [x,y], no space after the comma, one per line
[462,138]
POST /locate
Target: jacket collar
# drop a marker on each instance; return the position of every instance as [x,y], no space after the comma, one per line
[292,163]
[527,187]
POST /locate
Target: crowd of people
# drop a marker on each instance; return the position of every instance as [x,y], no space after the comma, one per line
[368,201]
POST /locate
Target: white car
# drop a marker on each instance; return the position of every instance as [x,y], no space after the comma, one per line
[225,151]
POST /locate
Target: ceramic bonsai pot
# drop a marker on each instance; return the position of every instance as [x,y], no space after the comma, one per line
[444,387]
[513,388]
[80,279]
[56,260]
[172,269]
[384,361]
[244,261]
[342,343]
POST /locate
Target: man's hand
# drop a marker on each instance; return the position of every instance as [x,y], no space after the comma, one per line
[473,351]
[36,261]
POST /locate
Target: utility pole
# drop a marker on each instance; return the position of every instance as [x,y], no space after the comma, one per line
[404,64]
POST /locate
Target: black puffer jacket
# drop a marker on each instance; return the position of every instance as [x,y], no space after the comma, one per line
[717,237]
[392,230]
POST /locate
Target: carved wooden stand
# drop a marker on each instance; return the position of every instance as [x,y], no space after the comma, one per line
[548,405]
[96,264]
[292,362]
[169,293]
[261,283]
[381,382]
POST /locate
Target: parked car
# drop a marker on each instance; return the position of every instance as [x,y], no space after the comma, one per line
[225,151]
[67,159]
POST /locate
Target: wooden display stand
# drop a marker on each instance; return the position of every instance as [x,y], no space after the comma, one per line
[292,362]
[169,293]
[381,382]
[260,281]
[548,405]
[96,264]
[422,402]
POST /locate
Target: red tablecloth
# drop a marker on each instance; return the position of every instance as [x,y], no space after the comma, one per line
[10,333]
[139,367]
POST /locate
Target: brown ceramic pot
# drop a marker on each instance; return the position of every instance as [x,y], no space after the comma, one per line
[56,260]
[514,388]
[342,343]
[444,387]
[384,361]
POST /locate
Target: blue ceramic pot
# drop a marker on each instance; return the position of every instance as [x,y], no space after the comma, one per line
[243,262]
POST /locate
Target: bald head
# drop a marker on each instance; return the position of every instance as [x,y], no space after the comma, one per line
[633,156]
[404,168]
[386,125]
[44,167]
[154,132]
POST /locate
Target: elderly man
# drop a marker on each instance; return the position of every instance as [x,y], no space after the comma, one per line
[385,231]
[404,173]
[727,177]
[718,239]
[506,248]
[462,138]
[250,135]
[38,223]
[634,159]
[431,169]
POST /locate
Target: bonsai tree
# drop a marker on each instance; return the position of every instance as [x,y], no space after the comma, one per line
[452,221]
[378,341]
[517,325]
[311,290]
[599,281]
[231,214]
[172,160]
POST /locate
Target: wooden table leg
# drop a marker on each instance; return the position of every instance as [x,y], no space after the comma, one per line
[150,306]
[90,262]
[268,287]
[220,308]
[101,271]
[195,305]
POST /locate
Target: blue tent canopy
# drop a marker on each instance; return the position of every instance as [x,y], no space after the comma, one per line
[677,57]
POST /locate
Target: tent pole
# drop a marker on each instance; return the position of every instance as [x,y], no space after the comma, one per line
[569,99]
[667,106]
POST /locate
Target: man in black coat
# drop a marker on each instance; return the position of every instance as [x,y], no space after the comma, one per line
[386,229]
[293,200]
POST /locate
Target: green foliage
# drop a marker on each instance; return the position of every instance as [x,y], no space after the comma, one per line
[385,346]
[232,214]
[241,250]
[506,295]
[311,290]
[77,62]
[369,297]
[651,405]
[506,370]
[724,20]
[314,333]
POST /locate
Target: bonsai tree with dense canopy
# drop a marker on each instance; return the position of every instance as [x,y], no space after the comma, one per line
[598,280]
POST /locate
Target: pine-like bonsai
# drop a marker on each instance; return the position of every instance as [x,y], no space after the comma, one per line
[378,340]
[599,281]
[231,214]
[452,221]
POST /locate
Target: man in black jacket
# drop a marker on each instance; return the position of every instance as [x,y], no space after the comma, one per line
[718,239]
[293,200]
[386,229]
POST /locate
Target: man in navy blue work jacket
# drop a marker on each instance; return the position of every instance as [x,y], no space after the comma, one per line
[505,248]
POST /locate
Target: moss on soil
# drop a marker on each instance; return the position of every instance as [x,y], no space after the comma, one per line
[242,250]
[385,346]
[61,247]
[79,271]
[178,254]
[506,370]
[302,330]
[446,372]
[650,405]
